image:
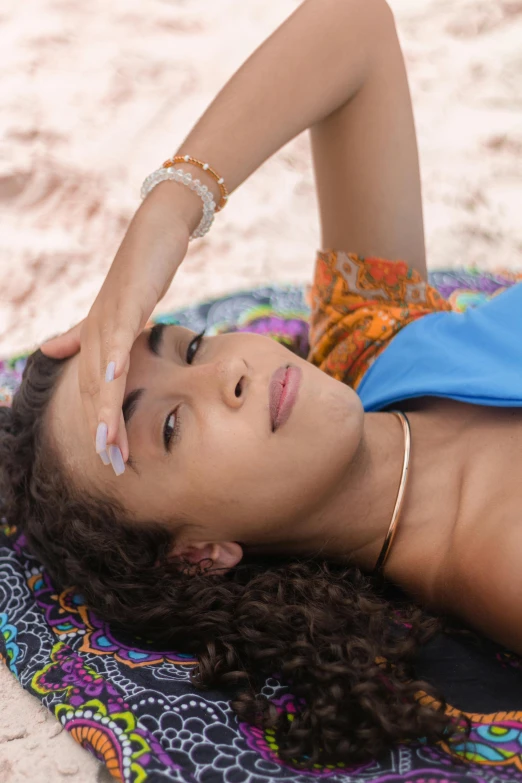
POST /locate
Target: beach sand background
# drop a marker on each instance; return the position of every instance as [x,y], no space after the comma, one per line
[95,95]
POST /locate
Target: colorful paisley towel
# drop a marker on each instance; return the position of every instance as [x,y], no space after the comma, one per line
[135,709]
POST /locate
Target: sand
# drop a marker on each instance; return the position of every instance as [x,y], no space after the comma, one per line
[95,95]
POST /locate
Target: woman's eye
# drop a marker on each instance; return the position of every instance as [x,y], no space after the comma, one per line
[170,429]
[193,347]
[172,423]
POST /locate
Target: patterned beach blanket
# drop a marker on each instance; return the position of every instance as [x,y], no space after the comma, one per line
[134,707]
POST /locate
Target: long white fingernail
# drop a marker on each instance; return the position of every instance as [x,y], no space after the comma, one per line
[116,459]
[109,373]
[101,437]
[105,457]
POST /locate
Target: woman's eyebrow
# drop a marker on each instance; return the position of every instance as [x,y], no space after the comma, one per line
[155,338]
[130,403]
[154,344]
[128,408]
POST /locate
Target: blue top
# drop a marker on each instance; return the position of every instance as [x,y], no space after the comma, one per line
[474,357]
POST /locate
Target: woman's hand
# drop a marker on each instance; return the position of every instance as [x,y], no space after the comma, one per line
[154,246]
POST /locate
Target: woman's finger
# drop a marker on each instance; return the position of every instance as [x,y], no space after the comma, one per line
[111,450]
[111,426]
[104,363]
[119,452]
[114,357]
[88,404]
[63,345]
[89,380]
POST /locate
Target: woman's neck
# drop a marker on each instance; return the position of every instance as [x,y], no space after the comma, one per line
[352,525]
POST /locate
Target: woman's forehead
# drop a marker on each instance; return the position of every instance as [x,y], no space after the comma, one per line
[68,424]
[69,420]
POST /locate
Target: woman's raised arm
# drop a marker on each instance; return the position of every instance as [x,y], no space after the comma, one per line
[366,162]
[336,67]
[316,63]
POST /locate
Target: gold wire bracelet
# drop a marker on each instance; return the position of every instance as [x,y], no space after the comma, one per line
[204,167]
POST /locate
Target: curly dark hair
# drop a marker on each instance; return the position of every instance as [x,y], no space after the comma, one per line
[325,631]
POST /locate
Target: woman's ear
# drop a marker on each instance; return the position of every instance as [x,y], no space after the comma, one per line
[224,555]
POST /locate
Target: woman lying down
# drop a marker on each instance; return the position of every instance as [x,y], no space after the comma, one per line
[224,497]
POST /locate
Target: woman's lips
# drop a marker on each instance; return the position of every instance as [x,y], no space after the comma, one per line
[282,394]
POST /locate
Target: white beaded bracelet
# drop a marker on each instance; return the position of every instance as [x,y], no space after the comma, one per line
[184,178]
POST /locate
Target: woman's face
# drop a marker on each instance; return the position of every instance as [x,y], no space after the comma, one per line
[202,441]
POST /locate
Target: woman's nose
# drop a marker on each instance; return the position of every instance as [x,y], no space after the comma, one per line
[226,378]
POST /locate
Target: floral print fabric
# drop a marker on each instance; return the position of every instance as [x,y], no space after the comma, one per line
[135,708]
[358,306]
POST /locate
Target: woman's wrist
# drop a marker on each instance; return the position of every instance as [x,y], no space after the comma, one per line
[175,205]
